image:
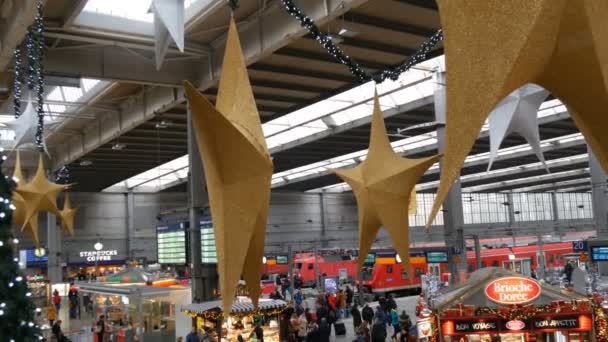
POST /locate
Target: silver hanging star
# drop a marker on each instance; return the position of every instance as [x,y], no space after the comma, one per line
[517,113]
[25,128]
[168,26]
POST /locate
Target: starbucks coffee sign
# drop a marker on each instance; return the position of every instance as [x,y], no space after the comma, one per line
[102,255]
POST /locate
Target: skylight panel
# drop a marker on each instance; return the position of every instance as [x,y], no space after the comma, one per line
[129,9]
[89,83]
[71,94]
[55,94]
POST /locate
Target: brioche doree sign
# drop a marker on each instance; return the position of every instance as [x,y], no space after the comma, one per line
[513,290]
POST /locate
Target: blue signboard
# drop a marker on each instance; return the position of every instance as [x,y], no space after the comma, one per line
[331,285]
[599,253]
[579,246]
[31,257]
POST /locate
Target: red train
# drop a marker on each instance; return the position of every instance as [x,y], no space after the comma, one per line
[383,271]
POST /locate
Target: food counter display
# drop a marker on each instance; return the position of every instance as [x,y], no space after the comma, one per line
[499,305]
[242,319]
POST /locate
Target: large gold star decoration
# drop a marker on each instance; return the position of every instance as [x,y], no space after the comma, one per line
[39,195]
[20,208]
[238,170]
[67,215]
[493,47]
[383,185]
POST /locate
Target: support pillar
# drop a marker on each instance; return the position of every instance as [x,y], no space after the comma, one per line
[598,191]
[323,204]
[477,252]
[540,269]
[453,218]
[197,199]
[54,269]
[130,224]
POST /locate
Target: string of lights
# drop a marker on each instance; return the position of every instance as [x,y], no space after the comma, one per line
[389,72]
[18,79]
[35,50]
[40,47]
[62,176]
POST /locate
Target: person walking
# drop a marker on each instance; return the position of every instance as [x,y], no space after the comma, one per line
[568,269]
[341,301]
[51,314]
[192,336]
[100,328]
[367,313]
[302,326]
[363,332]
[312,332]
[57,300]
[379,331]
[356,317]
[324,331]
[57,332]
[350,294]
[394,318]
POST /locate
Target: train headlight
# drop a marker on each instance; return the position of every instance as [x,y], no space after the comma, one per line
[398,258]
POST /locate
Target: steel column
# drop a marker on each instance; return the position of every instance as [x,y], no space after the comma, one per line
[55,270]
[453,219]
[197,199]
[598,190]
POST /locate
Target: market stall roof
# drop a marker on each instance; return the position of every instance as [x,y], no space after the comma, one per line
[472,291]
[237,307]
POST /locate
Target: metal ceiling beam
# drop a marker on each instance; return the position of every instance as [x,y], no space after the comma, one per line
[17,16]
[266,32]
[386,24]
[428,4]
[290,70]
[74,8]
[212,92]
[379,47]
[555,186]
[325,57]
[520,184]
[286,85]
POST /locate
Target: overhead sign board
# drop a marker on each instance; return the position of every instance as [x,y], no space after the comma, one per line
[513,290]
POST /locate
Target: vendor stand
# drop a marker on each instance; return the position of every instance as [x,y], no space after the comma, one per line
[495,304]
[241,320]
[131,309]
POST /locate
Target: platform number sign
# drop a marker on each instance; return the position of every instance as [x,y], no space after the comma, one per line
[579,246]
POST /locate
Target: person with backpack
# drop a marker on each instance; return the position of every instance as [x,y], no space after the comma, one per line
[367,313]
[394,318]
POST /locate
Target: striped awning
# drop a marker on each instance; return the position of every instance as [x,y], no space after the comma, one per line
[237,307]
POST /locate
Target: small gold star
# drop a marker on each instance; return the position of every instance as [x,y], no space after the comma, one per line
[67,215]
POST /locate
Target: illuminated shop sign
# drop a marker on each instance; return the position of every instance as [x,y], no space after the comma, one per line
[103,255]
[449,328]
[513,290]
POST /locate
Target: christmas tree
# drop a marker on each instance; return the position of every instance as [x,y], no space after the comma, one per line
[16,308]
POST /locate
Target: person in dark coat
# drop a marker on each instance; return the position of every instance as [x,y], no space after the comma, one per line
[259,332]
[367,313]
[324,331]
[356,317]
[379,331]
[568,269]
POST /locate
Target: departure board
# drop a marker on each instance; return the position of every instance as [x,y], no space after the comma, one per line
[171,243]
[208,249]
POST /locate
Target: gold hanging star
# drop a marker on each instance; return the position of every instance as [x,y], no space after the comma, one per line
[20,207]
[67,215]
[493,47]
[238,170]
[383,185]
[39,195]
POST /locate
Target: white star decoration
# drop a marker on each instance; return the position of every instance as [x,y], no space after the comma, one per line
[168,25]
[517,113]
[25,127]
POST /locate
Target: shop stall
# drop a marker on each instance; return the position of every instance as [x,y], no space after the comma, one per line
[499,305]
[241,320]
[132,309]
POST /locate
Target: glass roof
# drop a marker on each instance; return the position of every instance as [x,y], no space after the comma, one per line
[136,12]
[336,110]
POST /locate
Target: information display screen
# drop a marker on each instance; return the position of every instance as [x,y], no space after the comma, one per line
[436,257]
[282,260]
[171,243]
[599,253]
[208,249]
